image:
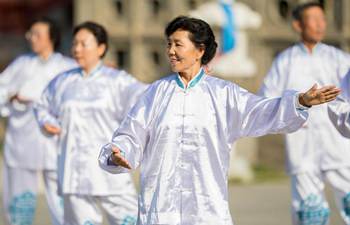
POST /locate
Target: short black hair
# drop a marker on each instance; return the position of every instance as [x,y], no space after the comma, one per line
[54,30]
[201,34]
[298,11]
[97,30]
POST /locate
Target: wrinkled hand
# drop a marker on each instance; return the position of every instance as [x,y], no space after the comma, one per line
[19,99]
[118,159]
[319,96]
[50,129]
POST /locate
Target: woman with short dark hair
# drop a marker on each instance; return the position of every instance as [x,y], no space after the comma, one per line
[83,106]
[28,153]
[181,130]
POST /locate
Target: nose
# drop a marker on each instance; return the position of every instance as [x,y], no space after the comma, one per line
[76,48]
[171,50]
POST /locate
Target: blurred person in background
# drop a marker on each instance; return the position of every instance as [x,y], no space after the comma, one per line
[316,152]
[28,153]
[181,130]
[83,106]
[339,110]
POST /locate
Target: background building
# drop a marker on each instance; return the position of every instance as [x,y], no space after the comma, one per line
[137,41]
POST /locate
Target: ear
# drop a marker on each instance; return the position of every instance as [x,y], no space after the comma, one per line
[297,26]
[101,49]
[201,51]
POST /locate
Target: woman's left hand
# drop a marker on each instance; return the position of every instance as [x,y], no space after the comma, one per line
[316,96]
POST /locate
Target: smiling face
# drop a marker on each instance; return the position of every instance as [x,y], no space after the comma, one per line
[182,53]
[86,50]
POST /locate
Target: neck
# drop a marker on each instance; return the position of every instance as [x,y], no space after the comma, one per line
[309,45]
[45,54]
[88,69]
[189,74]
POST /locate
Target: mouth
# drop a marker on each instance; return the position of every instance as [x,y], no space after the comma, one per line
[77,57]
[174,60]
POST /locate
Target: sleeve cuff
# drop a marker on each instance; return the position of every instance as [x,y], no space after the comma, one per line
[299,106]
[109,159]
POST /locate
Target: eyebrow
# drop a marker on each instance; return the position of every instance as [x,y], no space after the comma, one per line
[175,40]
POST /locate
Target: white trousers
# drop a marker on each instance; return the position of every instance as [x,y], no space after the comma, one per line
[88,209]
[309,205]
[20,195]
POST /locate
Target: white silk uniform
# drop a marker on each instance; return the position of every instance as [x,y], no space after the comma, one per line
[339,113]
[27,152]
[88,108]
[339,110]
[316,149]
[181,139]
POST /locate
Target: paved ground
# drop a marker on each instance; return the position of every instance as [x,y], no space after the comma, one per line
[266,204]
[256,204]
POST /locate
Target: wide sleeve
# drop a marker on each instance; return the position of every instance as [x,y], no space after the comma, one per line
[339,110]
[132,135]
[45,109]
[274,82]
[9,82]
[252,115]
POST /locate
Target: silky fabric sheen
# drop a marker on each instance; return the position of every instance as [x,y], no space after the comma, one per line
[88,108]
[181,139]
[25,146]
[339,110]
[317,146]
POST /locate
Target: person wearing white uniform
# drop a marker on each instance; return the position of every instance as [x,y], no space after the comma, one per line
[181,130]
[339,110]
[27,152]
[83,106]
[316,152]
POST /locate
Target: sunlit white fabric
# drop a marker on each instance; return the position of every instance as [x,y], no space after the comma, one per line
[25,146]
[317,145]
[88,109]
[181,139]
[339,110]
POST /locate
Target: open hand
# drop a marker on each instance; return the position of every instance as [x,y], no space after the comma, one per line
[319,96]
[118,159]
[50,129]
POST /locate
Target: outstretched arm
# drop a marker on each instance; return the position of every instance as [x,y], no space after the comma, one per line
[259,116]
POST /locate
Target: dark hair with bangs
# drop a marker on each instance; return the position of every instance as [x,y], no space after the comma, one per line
[54,30]
[97,30]
[298,11]
[201,35]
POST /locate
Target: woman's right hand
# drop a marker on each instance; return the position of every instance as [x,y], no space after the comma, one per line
[51,129]
[118,158]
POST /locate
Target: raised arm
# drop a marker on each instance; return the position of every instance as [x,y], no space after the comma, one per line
[259,116]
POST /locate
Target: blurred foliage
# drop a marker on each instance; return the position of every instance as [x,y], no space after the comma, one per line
[264,174]
[267,174]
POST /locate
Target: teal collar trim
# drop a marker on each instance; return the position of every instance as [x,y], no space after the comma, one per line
[192,83]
